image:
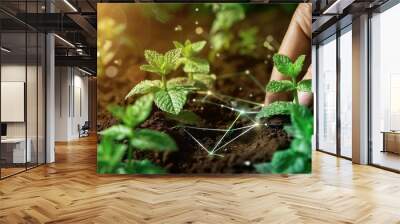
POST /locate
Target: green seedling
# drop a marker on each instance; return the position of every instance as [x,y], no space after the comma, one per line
[248,41]
[170,96]
[297,158]
[195,67]
[291,70]
[226,16]
[122,140]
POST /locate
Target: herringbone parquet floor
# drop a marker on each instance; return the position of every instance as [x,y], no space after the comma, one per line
[69,191]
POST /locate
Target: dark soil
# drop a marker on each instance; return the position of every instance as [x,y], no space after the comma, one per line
[255,146]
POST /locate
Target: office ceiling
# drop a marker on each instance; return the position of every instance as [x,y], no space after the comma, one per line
[332,15]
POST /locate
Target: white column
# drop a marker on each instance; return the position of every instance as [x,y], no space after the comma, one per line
[360,90]
[50,100]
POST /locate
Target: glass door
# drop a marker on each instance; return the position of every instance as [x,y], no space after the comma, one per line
[346,95]
[14,153]
[326,88]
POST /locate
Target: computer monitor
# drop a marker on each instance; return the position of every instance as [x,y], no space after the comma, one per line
[3,129]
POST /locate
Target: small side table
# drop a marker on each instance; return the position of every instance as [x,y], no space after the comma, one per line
[391,141]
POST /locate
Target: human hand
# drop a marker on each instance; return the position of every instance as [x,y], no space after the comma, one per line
[295,43]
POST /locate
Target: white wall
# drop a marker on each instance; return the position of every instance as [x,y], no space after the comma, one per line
[71,94]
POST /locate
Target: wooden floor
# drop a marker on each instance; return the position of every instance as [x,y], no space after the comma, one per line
[70,191]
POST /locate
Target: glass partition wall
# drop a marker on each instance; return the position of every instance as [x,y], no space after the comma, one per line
[326,88]
[22,98]
[334,94]
[345,92]
[385,89]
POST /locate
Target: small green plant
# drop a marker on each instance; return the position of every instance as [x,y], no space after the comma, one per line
[248,41]
[170,96]
[191,63]
[226,15]
[195,67]
[291,70]
[297,158]
[122,140]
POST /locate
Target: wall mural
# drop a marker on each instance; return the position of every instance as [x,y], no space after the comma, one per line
[204,88]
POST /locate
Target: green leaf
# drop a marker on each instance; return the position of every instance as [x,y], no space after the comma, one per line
[205,79]
[248,40]
[117,132]
[150,68]
[171,59]
[296,159]
[109,154]
[196,65]
[285,66]
[177,44]
[161,64]
[143,167]
[275,86]
[171,100]
[146,139]
[263,167]
[185,117]
[198,46]
[138,112]
[144,87]
[298,64]
[304,85]
[301,129]
[179,81]
[116,111]
[221,41]
[154,58]
[227,15]
[275,108]
[288,161]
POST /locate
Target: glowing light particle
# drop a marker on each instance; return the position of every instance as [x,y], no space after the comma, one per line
[178,28]
[247,72]
[268,45]
[247,163]
[111,71]
[270,38]
[209,92]
[196,9]
[199,30]
[197,22]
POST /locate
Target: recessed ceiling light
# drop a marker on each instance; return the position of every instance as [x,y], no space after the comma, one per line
[64,40]
[70,5]
[5,50]
[84,71]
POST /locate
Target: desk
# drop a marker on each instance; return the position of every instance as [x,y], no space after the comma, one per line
[16,148]
[391,141]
